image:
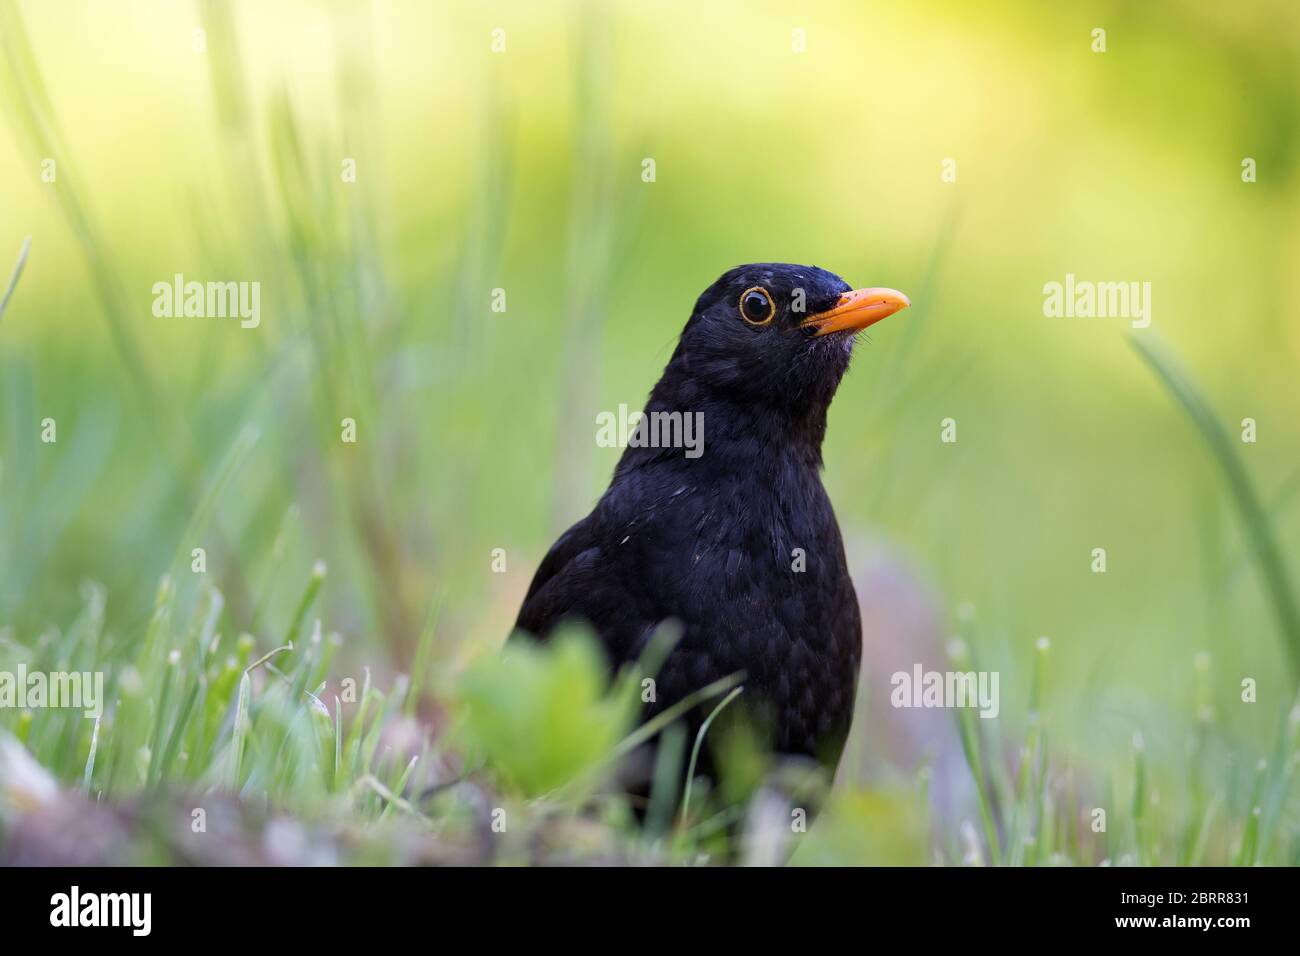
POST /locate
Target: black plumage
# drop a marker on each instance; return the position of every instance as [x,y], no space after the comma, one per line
[739,545]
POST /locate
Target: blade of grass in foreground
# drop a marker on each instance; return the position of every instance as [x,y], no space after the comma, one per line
[1254,516]
[972,747]
[13,279]
[695,750]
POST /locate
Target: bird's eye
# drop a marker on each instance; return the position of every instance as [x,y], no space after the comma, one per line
[756,306]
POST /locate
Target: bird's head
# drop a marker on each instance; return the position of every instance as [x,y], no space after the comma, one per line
[777,336]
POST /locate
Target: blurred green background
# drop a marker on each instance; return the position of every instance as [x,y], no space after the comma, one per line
[522,170]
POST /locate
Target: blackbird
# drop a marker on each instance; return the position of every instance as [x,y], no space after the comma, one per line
[734,539]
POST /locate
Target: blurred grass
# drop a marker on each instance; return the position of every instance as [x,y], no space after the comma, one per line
[13,279]
[1255,518]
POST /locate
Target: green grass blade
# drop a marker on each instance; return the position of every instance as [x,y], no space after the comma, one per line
[13,279]
[1254,516]
[695,748]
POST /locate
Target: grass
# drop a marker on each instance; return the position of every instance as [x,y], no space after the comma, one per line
[363,705]
[13,279]
[1255,519]
[196,718]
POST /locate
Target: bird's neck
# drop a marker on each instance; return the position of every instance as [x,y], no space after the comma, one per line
[736,430]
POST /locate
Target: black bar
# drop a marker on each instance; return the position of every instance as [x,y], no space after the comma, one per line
[330,906]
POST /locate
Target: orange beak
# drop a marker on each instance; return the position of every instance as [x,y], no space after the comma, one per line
[856,310]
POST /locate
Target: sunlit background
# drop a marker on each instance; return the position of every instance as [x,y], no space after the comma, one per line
[514,160]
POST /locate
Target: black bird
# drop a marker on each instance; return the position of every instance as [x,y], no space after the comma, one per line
[734,539]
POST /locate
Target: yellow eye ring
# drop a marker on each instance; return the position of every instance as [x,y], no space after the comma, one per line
[771,306]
